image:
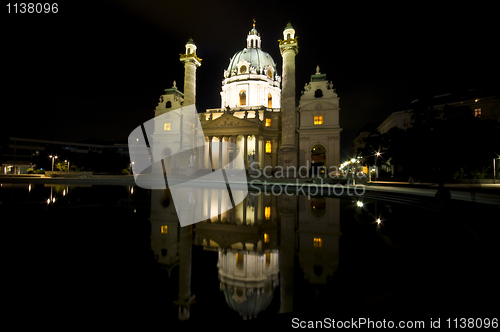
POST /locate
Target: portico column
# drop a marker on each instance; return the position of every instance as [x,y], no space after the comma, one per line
[235,150]
[220,151]
[245,151]
[210,153]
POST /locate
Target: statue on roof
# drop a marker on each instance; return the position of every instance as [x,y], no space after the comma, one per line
[174,87]
[317,70]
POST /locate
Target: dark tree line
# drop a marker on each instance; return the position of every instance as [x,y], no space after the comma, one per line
[107,161]
[441,144]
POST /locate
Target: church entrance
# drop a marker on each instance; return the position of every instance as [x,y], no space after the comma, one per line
[318,158]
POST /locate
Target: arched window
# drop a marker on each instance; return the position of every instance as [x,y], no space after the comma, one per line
[168,104]
[269,101]
[288,36]
[251,43]
[318,93]
[239,261]
[243,98]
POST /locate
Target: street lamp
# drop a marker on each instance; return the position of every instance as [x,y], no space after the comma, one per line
[495,170]
[53,157]
[67,161]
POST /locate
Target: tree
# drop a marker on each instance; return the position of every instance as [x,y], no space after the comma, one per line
[442,144]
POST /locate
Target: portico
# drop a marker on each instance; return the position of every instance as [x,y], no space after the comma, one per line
[258,145]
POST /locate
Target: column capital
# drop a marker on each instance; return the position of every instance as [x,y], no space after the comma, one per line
[191,59]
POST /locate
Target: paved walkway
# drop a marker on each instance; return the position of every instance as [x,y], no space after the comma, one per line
[480,193]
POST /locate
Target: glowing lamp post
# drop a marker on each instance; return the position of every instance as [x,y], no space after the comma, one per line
[53,157]
[495,170]
[67,161]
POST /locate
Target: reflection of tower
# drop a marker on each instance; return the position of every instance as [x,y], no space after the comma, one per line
[248,279]
[164,229]
[288,48]
[171,245]
[185,249]
[288,212]
[318,238]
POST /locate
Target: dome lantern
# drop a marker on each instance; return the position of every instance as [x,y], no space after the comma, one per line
[253,38]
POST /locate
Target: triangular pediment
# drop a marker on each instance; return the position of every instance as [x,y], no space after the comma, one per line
[229,121]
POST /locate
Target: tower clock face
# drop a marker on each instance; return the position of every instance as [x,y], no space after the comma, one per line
[269,73]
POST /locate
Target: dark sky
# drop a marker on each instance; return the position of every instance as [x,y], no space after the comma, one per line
[97,69]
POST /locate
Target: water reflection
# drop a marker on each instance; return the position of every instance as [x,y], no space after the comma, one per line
[269,255]
[256,242]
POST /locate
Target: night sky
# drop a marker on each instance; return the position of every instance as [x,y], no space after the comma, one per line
[97,69]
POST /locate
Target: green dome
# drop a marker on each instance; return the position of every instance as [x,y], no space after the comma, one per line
[257,59]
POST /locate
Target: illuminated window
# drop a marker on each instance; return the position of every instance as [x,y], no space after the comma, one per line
[243,69]
[318,242]
[266,238]
[269,73]
[269,102]
[243,98]
[239,261]
[318,119]
[166,126]
[268,258]
[477,112]
[267,212]
[268,122]
[164,229]
[268,146]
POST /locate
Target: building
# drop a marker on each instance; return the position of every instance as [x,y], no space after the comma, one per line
[483,104]
[258,112]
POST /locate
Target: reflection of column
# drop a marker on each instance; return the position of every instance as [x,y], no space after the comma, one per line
[219,203]
[257,155]
[245,210]
[245,151]
[185,296]
[206,157]
[288,211]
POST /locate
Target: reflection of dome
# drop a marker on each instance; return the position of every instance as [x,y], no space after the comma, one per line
[248,279]
[252,57]
[248,302]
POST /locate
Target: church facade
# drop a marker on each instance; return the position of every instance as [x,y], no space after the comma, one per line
[258,113]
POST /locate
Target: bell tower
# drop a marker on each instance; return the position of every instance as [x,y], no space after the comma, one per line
[289,48]
[191,62]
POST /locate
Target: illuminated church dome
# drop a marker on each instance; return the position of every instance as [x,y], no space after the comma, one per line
[251,79]
[251,61]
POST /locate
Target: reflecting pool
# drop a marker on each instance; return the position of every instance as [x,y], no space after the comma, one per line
[82,254]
